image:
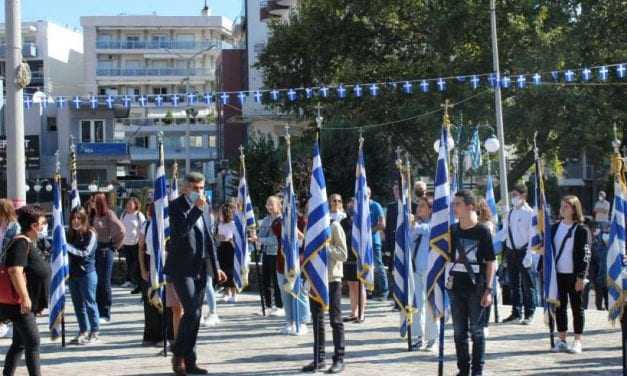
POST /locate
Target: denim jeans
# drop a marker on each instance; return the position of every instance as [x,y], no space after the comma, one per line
[424,326]
[523,288]
[104,269]
[294,308]
[83,291]
[210,295]
[467,314]
[380,278]
[25,339]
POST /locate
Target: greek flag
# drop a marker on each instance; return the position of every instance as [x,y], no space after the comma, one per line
[244,219]
[317,235]
[440,230]
[361,237]
[159,226]
[490,199]
[403,289]
[542,243]
[289,241]
[616,274]
[58,264]
[475,149]
[174,189]
[75,198]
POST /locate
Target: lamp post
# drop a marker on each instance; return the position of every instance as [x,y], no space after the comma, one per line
[93,188]
[37,187]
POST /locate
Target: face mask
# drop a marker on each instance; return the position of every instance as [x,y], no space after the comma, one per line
[515,200]
[193,196]
[601,198]
[43,233]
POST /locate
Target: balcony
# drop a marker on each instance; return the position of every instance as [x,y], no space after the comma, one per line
[139,154]
[160,45]
[153,127]
[102,151]
[154,72]
[29,50]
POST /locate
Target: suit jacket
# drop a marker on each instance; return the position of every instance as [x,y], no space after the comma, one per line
[184,257]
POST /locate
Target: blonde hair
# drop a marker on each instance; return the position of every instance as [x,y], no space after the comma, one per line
[276,199]
[483,211]
[7,210]
[573,202]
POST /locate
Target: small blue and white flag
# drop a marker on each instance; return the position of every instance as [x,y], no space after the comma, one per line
[289,229]
[244,221]
[318,234]
[174,187]
[361,237]
[616,270]
[58,263]
[159,228]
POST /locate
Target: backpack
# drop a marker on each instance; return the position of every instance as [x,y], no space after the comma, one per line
[8,294]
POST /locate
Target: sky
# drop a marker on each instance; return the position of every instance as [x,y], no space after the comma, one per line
[68,12]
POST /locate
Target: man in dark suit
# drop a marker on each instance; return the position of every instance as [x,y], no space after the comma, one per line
[191,255]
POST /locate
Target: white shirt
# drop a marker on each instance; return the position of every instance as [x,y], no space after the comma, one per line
[338,216]
[520,225]
[565,264]
[133,224]
[226,231]
[603,206]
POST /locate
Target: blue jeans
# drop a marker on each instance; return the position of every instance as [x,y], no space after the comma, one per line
[104,269]
[380,278]
[290,304]
[210,295]
[424,326]
[83,291]
[468,315]
[523,288]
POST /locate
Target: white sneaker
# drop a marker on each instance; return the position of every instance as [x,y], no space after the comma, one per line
[430,346]
[4,330]
[277,312]
[93,338]
[211,320]
[104,321]
[80,339]
[127,284]
[576,348]
[302,330]
[232,299]
[288,329]
[560,346]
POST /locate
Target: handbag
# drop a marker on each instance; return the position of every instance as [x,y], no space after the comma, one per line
[8,294]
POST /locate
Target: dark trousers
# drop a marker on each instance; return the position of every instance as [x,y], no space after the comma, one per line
[191,292]
[468,315]
[522,284]
[25,339]
[600,297]
[153,319]
[104,269]
[270,282]
[132,263]
[335,317]
[566,291]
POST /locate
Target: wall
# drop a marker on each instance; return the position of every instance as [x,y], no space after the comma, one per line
[231,76]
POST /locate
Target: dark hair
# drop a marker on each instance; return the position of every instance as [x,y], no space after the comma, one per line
[520,188]
[82,216]
[467,196]
[228,212]
[28,215]
[194,177]
[136,203]
[102,206]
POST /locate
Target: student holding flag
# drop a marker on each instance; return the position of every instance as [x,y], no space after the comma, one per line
[30,276]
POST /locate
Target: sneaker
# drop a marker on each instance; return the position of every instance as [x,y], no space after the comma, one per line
[486,332]
[527,320]
[288,329]
[511,320]
[232,299]
[93,338]
[416,346]
[277,312]
[104,321]
[80,339]
[4,330]
[560,346]
[211,320]
[430,346]
[127,284]
[302,330]
[576,348]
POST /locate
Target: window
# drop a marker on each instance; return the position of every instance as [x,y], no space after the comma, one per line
[159,90]
[132,41]
[92,131]
[134,64]
[212,141]
[52,124]
[133,91]
[160,41]
[195,141]
[141,142]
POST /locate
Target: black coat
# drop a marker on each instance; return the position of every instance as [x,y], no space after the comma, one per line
[581,249]
[184,259]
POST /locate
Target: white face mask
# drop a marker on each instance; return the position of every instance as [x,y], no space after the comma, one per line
[516,201]
[601,198]
[43,233]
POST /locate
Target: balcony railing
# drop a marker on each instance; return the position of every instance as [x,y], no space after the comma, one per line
[28,50]
[161,72]
[152,154]
[160,45]
[109,149]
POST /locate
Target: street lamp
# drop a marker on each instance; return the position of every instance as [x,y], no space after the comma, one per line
[110,187]
[492,144]
[48,187]
[93,188]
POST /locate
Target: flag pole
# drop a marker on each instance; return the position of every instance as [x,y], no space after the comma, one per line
[360,312]
[624,330]
[164,320]
[410,269]
[317,321]
[57,182]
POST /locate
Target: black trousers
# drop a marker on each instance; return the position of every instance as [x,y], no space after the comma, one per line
[601,297]
[153,319]
[25,339]
[566,291]
[270,282]
[191,292]
[132,263]
[335,316]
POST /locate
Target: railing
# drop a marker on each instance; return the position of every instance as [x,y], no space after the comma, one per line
[178,152]
[162,122]
[28,50]
[160,45]
[164,72]
[102,149]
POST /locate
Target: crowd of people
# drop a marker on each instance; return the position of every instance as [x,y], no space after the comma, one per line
[200,263]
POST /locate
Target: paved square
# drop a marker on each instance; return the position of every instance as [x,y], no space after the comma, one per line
[247,344]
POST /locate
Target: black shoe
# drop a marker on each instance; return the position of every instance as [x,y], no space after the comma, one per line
[136,290]
[195,370]
[511,319]
[311,367]
[349,319]
[337,367]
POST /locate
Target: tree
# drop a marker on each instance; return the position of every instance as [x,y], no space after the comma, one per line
[345,41]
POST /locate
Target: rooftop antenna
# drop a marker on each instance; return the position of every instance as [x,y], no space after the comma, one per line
[205,9]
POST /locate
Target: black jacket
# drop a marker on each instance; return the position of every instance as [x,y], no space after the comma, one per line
[581,249]
[184,259]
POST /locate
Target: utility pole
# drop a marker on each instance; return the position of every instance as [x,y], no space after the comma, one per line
[16,165]
[499,109]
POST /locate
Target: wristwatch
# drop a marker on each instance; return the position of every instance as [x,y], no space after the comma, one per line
[488,289]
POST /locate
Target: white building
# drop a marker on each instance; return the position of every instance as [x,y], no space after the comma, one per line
[154,56]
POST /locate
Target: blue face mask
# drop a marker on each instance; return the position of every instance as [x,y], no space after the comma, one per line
[193,197]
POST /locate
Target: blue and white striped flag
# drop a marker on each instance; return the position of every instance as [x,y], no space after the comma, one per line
[244,220]
[58,263]
[289,230]
[174,188]
[159,226]
[475,149]
[616,273]
[361,237]
[491,200]
[318,234]
[75,198]
[403,288]
[542,243]
[440,240]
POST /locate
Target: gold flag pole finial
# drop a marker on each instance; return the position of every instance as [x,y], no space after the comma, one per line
[447,120]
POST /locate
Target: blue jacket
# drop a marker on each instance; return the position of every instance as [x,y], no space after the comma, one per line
[420,251]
